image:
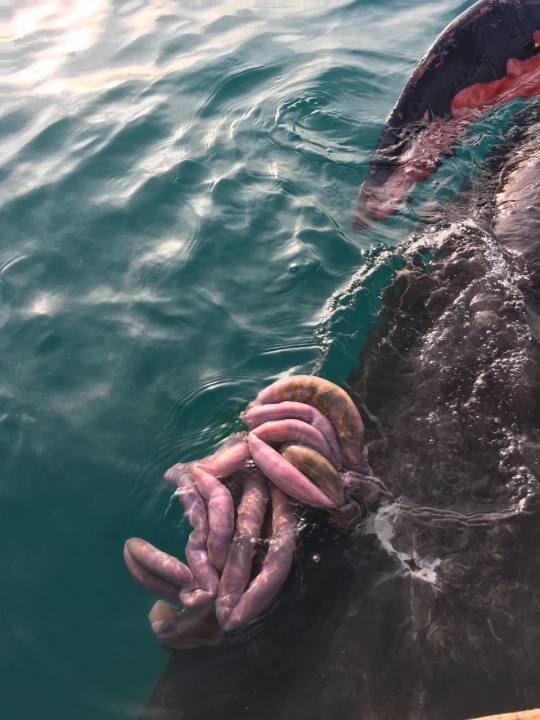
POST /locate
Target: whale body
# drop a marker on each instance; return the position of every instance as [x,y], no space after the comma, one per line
[431,609]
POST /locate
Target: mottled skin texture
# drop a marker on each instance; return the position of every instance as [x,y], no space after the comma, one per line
[332,401]
[495,45]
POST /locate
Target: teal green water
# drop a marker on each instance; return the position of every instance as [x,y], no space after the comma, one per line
[177,181]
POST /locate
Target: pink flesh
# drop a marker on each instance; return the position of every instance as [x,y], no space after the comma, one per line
[339,407]
[283,431]
[276,566]
[196,548]
[423,157]
[259,414]
[161,564]
[151,582]
[287,477]
[220,515]
[251,512]
[175,474]
[230,458]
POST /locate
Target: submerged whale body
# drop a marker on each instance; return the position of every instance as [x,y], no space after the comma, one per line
[431,609]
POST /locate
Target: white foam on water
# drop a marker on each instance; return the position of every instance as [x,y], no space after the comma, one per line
[381,525]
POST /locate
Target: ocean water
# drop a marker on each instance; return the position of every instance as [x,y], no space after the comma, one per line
[177,181]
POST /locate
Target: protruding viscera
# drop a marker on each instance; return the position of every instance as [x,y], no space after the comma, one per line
[295,431]
[287,477]
[196,549]
[305,444]
[237,571]
[317,469]
[332,401]
[157,571]
[256,415]
[220,515]
[276,565]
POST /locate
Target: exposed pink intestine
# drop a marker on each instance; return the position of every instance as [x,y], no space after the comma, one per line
[256,415]
[295,431]
[285,476]
[276,566]
[220,511]
[237,571]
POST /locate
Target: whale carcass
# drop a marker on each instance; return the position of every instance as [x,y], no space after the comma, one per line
[431,609]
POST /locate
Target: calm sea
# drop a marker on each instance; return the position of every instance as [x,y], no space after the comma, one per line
[177,181]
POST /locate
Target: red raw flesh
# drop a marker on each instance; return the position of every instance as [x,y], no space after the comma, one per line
[423,157]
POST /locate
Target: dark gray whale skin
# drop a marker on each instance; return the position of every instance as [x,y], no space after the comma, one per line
[431,609]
